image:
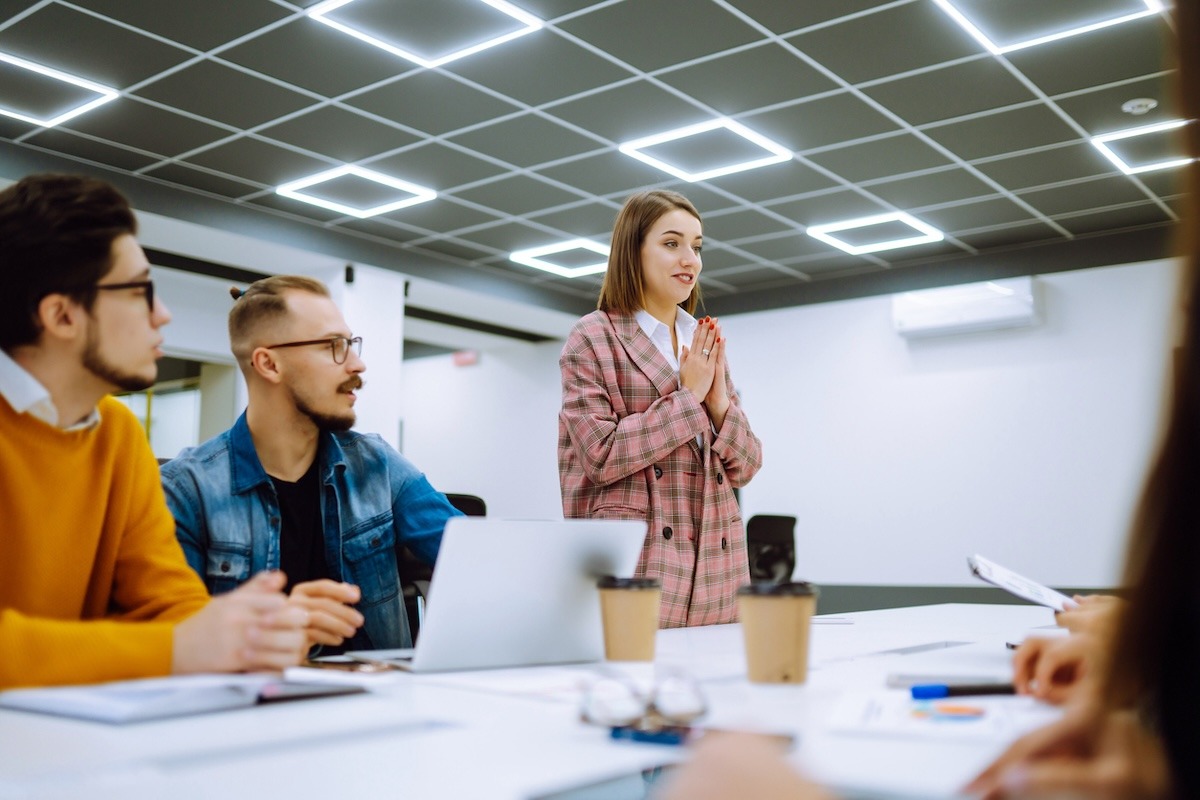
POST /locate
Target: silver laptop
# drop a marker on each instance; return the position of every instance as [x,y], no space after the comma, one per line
[510,593]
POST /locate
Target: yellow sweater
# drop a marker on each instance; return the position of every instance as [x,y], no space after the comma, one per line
[92,579]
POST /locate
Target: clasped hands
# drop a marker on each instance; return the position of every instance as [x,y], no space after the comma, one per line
[702,369]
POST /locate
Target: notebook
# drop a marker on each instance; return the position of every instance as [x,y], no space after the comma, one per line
[508,593]
[159,698]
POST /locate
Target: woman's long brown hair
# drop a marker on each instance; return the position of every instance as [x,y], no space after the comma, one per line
[1157,644]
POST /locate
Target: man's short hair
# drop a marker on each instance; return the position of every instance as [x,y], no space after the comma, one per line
[262,303]
[56,235]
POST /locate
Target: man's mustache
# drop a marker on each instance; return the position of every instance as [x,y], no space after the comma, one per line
[354,383]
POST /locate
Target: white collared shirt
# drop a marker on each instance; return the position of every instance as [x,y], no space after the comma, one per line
[27,396]
[660,334]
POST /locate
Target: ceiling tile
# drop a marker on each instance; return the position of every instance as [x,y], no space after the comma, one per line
[199,25]
[703,198]
[778,180]
[1096,193]
[829,207]
[817,123]
[589,220]
[734,83]
[509,236]
[932,189]
[940,40]
[630,111]
[517,195]
[551,9]
[835,265]
[1003,132]
[340,134]
[1114,219]
[455,250]
[788,17]
[1164,182]
[62,141]
[782,248]
[605,173]
[432,103]
[1100,111]
[436,166]
[258,161]
[1010,236]
[1054,165]
[950,92]
[976,214]
[518,70]
[146,127]
[184,175]
[895,155]
[737,225]
[753,279]
[717,258]
[82,45]
[382,228]
[224,94]
[13,128]
[333,63]
[526,141]
[1112,54]
[295,207]
[439,216]
[917,253]
[652,34]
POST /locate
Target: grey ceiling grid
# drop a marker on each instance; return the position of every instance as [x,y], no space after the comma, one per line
[885,106]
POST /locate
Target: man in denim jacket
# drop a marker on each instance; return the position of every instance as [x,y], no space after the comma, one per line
[291,487]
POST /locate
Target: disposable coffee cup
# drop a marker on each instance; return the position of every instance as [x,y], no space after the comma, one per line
[776,619]
[629,608]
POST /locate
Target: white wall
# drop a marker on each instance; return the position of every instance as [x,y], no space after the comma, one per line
[899,458]
[374,309]
[488,429]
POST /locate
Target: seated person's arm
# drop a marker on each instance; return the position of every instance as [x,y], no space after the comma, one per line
[419,512]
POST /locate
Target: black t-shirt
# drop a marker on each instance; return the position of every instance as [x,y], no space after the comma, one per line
[301,536]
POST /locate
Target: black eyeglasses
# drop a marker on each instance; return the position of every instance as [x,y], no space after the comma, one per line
[147,285]
[338,345]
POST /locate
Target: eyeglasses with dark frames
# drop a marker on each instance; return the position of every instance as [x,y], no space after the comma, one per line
[148,285]
[339,346]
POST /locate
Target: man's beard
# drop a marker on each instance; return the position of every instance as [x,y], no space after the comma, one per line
[94,363]
[329,422]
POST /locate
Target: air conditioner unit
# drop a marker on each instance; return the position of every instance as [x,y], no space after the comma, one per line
[990,305]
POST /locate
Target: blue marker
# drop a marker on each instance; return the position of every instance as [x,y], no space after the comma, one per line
[936,691]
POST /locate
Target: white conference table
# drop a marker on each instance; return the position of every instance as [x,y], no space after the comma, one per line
[517,734]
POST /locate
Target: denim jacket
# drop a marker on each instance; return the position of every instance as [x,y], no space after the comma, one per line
[373,500]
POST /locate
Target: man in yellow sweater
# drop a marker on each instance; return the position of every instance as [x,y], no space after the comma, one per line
[93,583]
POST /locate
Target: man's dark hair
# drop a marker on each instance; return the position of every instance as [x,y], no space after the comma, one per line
[56,235]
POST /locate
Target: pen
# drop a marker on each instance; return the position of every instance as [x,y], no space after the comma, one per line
[674,735]
[936,691]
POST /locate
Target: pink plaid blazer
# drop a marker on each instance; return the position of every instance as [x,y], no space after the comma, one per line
[627,449]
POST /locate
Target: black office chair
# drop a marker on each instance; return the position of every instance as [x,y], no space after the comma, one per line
[771,547]
[415,573]
[468,504]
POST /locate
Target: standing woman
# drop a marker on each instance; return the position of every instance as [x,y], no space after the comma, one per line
[650,426]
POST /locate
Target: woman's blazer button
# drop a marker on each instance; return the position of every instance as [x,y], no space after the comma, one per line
[657,472]
[724,543]
[720,478]
[667,532]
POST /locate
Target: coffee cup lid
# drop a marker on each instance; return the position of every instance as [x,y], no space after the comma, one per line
[613,582]
[767,589]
